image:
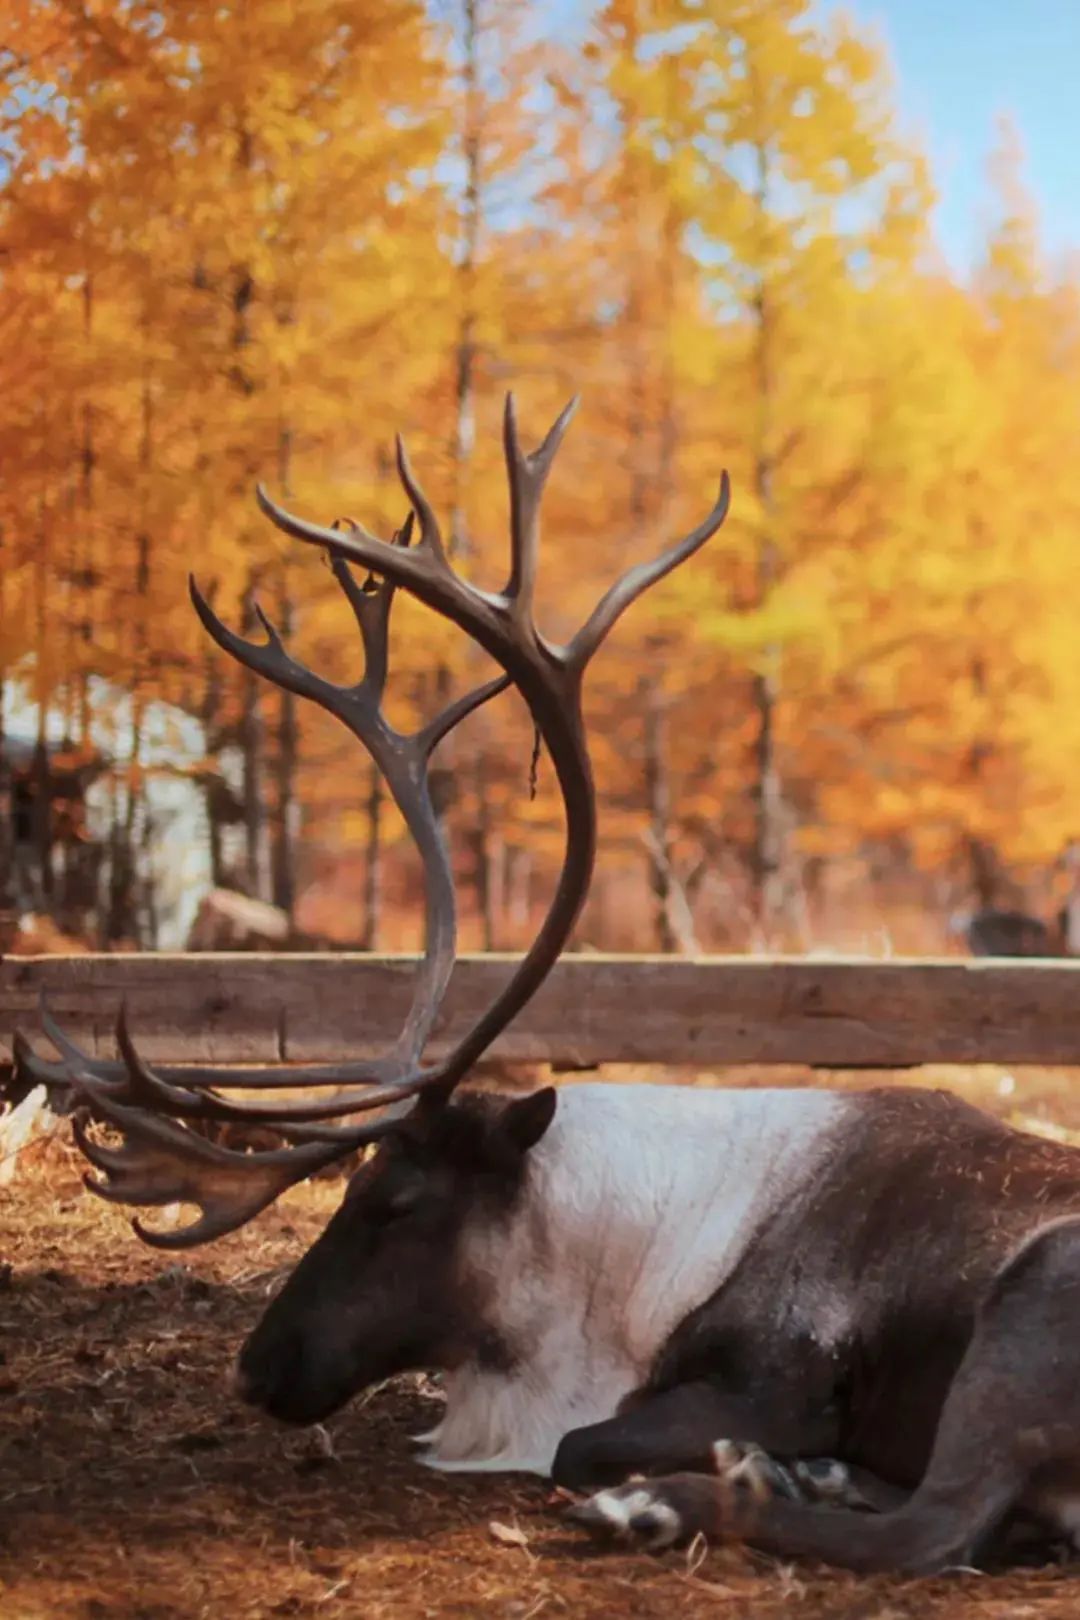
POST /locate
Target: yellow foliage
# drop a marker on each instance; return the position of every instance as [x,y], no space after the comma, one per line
[234,248]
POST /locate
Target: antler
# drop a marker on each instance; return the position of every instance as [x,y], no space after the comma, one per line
[549,678]
[403,760]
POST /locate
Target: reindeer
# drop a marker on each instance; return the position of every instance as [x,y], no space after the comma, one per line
[841,1326]
[999,931]
[996,932]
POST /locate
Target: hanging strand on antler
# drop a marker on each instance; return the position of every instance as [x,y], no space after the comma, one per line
[229,1186]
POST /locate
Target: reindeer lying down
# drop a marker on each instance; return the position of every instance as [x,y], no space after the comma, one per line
[841,1326]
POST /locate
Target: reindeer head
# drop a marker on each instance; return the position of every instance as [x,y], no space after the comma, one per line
[384,1288]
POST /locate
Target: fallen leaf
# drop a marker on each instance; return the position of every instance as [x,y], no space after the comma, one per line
[508,1534]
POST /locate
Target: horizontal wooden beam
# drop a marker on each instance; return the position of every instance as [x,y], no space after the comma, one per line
[593,1009]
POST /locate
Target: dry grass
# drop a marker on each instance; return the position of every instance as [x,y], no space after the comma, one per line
[132,1487]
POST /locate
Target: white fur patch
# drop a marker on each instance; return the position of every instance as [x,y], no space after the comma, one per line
[639,1202]
[736,1461]
[1061,1507]
[617,1510]
[30,1117]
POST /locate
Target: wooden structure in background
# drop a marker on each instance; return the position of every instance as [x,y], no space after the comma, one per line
[827,1013]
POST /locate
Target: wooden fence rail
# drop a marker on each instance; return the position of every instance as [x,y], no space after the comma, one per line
[829,1013]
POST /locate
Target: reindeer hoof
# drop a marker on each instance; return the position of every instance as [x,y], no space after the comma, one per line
[631,1513]
[742,1465]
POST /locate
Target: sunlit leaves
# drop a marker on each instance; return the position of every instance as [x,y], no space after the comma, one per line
[232,246]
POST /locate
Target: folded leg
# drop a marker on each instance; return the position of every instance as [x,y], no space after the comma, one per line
[678,1428]
[1009,1435]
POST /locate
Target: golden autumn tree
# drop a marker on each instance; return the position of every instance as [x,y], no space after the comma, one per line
[813,199]
[754,197]
[223,288]
[255,241]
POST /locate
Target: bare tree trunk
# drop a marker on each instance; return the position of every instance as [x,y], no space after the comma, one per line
[768,858]
[461,448]
[658,798]
[122,914]
[287,809]
[253,743]
[482,858]
[984,869]
[252,730]
[497,888]
[650,392]
[667,894]
[149,920]
[42,818]
[373,863]
[86,576]
[7,797]
[464,429]
[518,890]
[140,873]
[983,863]
[768,855]
[211,782]
[121,921]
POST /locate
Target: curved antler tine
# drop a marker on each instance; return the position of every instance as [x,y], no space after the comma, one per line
[408,567]
[527,475]
[273,660]
[346,580]
[147,1089]
[293,1120]
[115,1074]
[110,1161]
[28,1071]
[637,580]
[273,635]
[354,524]
[31,1069]
[76,1062]
[430,534]
[206,1229]
[185,1091]
[371,603]
[404,536]
[434,732]
[162,1162]
[400,537]
[268,658]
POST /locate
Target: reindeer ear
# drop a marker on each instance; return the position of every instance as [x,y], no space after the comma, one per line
[522,1123]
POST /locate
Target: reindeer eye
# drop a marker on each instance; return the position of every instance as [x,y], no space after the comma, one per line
[405,1197]
[394,1194]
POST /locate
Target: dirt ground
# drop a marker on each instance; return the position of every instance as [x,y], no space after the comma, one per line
[133,1487]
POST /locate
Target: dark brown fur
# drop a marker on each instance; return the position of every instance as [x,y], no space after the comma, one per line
[916,1314]
[379,1292]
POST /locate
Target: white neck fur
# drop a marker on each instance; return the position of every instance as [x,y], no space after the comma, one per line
[638,1203]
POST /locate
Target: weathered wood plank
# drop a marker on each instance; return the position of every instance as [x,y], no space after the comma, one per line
[830,1013]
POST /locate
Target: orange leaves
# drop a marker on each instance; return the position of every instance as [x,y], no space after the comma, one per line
[243,242]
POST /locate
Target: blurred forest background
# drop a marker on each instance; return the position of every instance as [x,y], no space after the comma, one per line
[252,239]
